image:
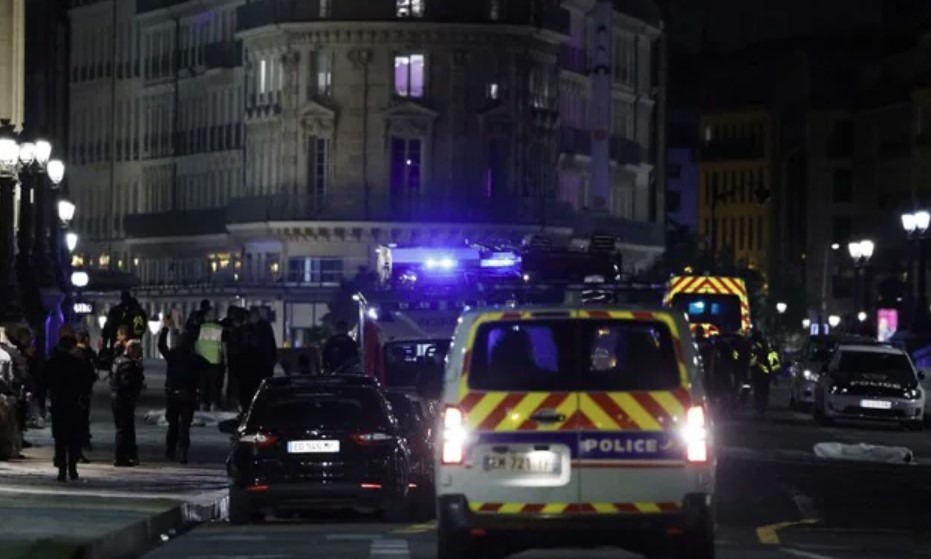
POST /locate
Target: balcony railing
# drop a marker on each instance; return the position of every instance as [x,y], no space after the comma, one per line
[143,6]
[511,12]
[512,211]
[574,59]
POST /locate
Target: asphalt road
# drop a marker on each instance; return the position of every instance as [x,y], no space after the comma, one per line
[775,500]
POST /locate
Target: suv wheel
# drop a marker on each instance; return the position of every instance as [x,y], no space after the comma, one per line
[239,509]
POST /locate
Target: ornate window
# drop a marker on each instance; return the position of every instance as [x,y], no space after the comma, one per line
[410,8]
[409,72]
[406,167]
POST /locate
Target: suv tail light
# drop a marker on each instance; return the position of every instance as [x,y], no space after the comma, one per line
[259,440]
[366,439]
[454,436]
[695,436]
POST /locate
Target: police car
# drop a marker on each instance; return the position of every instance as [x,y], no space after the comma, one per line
[574,427]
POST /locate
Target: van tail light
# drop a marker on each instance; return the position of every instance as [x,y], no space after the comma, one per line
[695,435]
[368,439]
[454,436]
[259,440]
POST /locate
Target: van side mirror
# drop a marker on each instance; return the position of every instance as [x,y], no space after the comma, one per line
[228,426]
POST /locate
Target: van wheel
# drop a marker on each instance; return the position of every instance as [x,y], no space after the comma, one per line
[453,546]
[698,545]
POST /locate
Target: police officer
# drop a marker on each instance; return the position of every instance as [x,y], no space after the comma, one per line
[209,345]
[185,369]
[126,382]
[85,352]
[763,363]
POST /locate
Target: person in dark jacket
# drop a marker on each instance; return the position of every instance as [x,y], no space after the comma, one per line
[88,354]
[126,382]
[340,349]
[185,368]
[69,377]
[259,359]
[197,318]
[129,315]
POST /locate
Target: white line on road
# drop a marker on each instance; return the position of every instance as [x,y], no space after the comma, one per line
[236,538]
[390,548]
[805,554]
[352,537]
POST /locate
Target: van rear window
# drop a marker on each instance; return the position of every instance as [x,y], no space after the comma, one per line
[563,355]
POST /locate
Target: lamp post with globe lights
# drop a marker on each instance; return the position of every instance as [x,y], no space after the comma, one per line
[916,230]
[9,160]
[861,252]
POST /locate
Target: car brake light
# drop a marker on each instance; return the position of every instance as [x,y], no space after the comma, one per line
[259,440]
[454,436]
[695,435]
[371,438]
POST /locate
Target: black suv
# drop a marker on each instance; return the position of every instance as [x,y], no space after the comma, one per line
[307,446]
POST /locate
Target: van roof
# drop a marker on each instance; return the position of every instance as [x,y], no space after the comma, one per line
[565,308]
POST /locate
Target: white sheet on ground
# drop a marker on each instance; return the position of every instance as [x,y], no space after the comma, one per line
[863,452]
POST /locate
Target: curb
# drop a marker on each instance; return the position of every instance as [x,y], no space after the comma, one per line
[138,538]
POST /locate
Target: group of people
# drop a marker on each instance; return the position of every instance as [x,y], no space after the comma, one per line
[732,363]
[238,351]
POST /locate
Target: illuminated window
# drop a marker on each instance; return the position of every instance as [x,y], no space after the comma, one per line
[262,76]
[104,260]
[325,7]
[77,261]
[410,8]
[409,75]
[324,69]
[494,9]
[492,91]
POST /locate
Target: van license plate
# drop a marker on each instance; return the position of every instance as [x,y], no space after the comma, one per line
[537,462]
[312,447]
[876,404]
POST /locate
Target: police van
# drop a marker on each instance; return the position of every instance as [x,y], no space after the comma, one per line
[574,427]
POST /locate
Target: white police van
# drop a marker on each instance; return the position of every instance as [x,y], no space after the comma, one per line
[574,427]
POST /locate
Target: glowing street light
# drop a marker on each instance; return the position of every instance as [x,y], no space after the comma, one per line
[806,323]
[80,279]
[781,307]
[861,316]
[71,241]
[834,321]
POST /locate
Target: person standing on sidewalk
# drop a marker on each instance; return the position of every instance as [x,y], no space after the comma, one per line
[69,377]
[88,354]
[209,345]
[185,368]
[126,382]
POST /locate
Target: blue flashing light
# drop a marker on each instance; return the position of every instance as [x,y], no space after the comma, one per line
[501,260]
[443,263]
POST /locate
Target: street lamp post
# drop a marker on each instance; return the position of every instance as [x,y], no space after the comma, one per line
[9,157]
[916,229]
[860,253]
[833,247]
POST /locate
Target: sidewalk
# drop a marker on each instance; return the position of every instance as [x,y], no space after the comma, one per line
[110,512]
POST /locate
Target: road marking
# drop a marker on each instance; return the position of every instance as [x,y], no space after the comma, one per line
[236,538]
[390,548]
[352,537]
[806,554]
[416,528]
[769,534]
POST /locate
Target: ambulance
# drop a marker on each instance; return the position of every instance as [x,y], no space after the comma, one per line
[718,304]
[574,426]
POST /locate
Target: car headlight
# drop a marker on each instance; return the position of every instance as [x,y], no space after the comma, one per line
[807,374]
[913,394]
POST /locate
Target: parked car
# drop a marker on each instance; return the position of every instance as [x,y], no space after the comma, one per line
[806,368]
[308,446]
[870,382]
[415,427]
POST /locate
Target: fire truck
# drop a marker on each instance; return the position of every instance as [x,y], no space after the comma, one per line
[407,322]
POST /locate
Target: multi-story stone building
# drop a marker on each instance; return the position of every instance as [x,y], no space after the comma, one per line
[262,149]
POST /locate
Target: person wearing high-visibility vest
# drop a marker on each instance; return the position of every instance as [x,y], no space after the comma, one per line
[764,362]
[209,345]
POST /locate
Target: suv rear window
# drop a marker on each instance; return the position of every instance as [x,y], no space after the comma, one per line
[338,410]
[563,355]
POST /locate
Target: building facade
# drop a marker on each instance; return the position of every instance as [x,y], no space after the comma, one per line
[259,151]
[735,169]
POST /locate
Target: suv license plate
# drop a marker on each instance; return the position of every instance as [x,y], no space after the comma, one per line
[312,447]
[876,404]
[537,462]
